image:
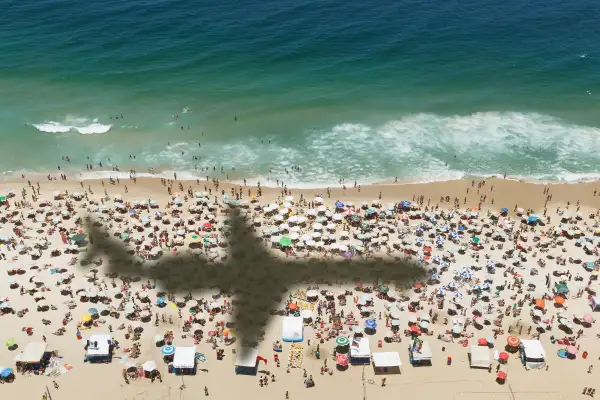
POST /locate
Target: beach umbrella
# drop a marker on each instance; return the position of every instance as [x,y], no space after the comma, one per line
[86,318]
[10,343]
[285,241]
[2,198]
[572,350]
[92,311]
[167,350]
[503,356]
[588,318]
[371,324]
[513,341]
[341,359]
[342,341]
[339,204]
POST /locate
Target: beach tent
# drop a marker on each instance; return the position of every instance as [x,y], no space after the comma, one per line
[292,329]
[246,362]
[422,356]
[480,356]
[365,298]
[360,351]
[533,354]
[595,303]
[387,362]
[99,348]
[184,361]
[33,353]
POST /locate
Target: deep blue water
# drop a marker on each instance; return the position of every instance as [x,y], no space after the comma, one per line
[420,90]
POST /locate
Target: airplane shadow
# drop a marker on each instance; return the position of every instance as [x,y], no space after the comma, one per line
[255,278]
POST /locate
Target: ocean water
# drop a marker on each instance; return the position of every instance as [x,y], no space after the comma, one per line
[419,90]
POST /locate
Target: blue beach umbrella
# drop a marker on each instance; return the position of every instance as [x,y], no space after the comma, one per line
[371,324]
[168,350]
[6,372]
[504,210]
[92,311]
[533,219]
[339,204]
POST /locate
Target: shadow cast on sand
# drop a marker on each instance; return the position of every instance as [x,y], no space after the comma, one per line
[256,279]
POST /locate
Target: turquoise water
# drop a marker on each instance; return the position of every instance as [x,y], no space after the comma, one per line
[418,90]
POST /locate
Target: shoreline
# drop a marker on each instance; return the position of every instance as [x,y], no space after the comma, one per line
[269,181]
[494,194]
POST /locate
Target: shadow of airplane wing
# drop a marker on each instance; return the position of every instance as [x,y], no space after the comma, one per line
[257,278]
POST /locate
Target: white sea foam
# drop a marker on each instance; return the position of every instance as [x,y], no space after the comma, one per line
[415,148]
[73,124]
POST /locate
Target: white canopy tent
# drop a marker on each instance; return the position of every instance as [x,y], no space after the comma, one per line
[32,353]
[535,355]
[360,351]
[98,347]
[387,362]
[480,356]
[184,358]
[246,362]
[424,355]
[292,329]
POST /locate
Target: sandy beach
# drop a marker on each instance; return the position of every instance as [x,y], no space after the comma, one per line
[500,249]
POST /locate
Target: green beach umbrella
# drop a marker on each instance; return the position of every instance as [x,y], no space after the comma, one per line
[2,198]
[78,238]
[384,289]
[475,239]
[342,341]
[285,241]
[10,342]
[124,236]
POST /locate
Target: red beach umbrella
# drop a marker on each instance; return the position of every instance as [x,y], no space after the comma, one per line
[503,356]
[341,359]
[513,341]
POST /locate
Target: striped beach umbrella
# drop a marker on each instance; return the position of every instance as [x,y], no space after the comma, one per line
[342,341]
[168,350]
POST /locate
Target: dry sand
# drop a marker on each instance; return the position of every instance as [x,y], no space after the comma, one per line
[564,379]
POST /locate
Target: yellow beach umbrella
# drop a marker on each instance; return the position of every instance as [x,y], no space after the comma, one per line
[86,318]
